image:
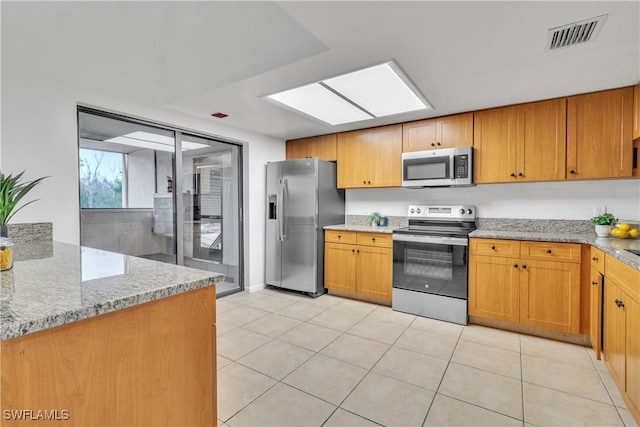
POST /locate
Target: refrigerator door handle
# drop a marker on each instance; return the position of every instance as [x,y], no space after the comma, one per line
[283,213]
[279,211]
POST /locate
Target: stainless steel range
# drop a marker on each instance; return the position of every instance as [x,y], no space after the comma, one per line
[430,262]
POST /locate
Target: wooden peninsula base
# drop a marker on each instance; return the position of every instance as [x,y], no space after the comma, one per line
[152,364]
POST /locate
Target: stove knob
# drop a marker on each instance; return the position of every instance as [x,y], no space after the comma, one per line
[418,210]
[412,210]
[461,211]
[469,211]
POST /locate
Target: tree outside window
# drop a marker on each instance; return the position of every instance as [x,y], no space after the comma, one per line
[100,179]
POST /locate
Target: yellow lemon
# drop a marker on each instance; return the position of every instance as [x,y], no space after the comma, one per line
[615,232]
[634,233]
[623,234]
[624,226]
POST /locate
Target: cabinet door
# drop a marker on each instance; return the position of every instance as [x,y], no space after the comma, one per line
[636,111]
[493,288]
[494,142]
[614,332]
[375,271]
[454,131]
[297,149]
[370,157]
[633,352]
[384,157]
[595,310]
[599,134]
[443,132]
[322,147]
[542,140]
[352,168]
[550,295]
[340,267]
[419,136]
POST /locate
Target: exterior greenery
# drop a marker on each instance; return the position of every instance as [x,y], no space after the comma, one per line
[96,190]
[12,190]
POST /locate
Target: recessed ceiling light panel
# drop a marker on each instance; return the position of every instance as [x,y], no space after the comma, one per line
[322,104]
[377,91]
[382,90]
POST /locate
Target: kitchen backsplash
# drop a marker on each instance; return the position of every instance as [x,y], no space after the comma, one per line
[543,200]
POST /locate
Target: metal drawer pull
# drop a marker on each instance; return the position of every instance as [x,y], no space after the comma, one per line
[548,251]
[619,303]
[493,247]
[524,265]
[595,258]
[515,265]
[594,283]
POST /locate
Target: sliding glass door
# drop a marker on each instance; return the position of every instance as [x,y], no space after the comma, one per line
[161,193]
[211,205]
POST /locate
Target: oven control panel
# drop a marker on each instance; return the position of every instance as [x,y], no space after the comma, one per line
[465,212]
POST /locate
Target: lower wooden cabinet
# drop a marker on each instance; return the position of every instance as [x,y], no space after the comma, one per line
[359,263]
[541,289]
[621,330]
[596,289]
[152,364]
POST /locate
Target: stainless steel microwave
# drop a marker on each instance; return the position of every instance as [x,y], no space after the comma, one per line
[447,167]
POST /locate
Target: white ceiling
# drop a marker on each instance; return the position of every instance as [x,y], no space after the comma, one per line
[205,57]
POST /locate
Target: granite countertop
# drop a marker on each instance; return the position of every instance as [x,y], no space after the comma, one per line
[357,227]
[610,245]
[53,283]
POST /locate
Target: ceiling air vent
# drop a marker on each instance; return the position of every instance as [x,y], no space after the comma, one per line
[575,33]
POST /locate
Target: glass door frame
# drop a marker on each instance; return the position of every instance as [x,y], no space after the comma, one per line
[178,181]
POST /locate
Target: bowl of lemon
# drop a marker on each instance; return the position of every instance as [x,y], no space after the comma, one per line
[622,230]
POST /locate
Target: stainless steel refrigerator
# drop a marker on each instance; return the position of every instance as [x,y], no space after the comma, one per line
[302,197]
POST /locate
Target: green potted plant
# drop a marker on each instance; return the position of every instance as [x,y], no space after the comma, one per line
[374,219]
[12,190]
[604,223]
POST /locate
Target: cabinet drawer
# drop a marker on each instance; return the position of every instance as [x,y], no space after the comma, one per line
[597,259]
[625,276]
[548,251]
[375,239]
[339,236]
[504,248]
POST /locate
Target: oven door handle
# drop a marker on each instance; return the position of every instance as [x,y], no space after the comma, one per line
[455,241]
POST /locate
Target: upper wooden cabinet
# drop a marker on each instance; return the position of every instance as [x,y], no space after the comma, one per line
[443,132]
[370,157]
[519,143]
[323,147]
[636,111]
[599,134]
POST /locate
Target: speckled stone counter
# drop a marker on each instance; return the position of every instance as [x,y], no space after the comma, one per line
[52,284]
[612,246]
[356,227]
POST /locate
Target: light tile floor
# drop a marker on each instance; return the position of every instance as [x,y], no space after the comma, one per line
[289,360]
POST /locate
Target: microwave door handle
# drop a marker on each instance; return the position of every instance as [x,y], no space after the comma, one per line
[452,165]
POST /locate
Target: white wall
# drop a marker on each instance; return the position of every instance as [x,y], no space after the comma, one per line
[39,135]
[548,200]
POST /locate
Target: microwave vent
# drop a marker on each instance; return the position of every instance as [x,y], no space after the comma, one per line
[574,34]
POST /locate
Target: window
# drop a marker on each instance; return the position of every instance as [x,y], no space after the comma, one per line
[100,179]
